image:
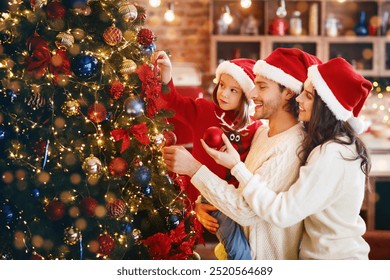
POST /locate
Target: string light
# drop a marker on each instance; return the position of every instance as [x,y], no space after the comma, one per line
[154,3]
[169,14]
[226,16]
[246,3]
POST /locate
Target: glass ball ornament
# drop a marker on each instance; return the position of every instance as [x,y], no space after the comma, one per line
[97,112]
[71,108]
[136,235]
[55,210]
[170,138]
[35,193]
[117,208]
[85,66]
[127,67]
[127,228]
[149,50]
[128,11]
[106,244]
[4,133]
[64,40]
[147,190]
[134,106]
[12,96]
[88,206]
[8,213]
[118,166]
[174,219]
[112,36]
[142,175]
[159,140]
[92,165]
[72,235]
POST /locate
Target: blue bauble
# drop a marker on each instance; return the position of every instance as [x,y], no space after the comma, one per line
[127,228]
[11,95]
[75,4]
[4,133]
[174,220]
[8,213]
[142,175]
[134,106]
[85,66]
[147,190]
[35,193]
[149,50]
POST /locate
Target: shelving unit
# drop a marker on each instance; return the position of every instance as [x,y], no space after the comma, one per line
[369,54]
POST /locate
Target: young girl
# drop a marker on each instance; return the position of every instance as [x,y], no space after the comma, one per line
[230,112]
[329,191]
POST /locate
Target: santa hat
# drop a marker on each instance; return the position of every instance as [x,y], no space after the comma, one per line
[286,66]
[241,70]
[342,89]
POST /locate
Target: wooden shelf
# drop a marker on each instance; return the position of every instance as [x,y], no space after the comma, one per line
[367,53]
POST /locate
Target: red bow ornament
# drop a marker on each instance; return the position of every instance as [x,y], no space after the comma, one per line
[139,131]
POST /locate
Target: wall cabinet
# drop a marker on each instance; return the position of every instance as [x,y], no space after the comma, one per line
[328,28]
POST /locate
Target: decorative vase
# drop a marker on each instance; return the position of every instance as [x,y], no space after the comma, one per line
[361,29]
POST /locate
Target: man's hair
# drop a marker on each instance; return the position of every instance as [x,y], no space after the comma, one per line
[292,105]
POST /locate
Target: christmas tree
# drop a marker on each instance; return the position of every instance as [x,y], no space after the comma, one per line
[81,132]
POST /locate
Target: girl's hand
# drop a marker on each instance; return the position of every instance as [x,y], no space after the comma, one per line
[179,160]
[163,62]
[227,156]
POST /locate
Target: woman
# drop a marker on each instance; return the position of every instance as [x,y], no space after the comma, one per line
[329,191]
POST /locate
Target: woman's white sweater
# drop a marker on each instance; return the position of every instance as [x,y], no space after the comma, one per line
[275,160]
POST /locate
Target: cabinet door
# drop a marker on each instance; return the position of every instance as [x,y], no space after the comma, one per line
[362,53]
[229,47]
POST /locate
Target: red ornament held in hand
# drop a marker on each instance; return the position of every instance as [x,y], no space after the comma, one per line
[213,137]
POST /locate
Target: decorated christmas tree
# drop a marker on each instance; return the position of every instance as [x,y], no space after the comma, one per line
[81,132]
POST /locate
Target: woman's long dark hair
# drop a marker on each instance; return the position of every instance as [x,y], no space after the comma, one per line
[323,127]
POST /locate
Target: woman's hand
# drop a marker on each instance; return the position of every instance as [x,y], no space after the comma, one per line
[179,160]
[227,157]
[163,62]
[202,214]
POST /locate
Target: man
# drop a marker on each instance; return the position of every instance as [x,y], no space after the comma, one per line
[273,155]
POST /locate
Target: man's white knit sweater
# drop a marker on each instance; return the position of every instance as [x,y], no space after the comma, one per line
[275,160]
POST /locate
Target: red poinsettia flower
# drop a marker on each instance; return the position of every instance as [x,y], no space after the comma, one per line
[159,245]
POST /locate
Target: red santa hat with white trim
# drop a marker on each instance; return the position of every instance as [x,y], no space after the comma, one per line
[286,66]
[342,89]
[241,70]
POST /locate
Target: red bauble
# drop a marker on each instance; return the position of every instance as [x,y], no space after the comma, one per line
[97,113]
[170,138]
[55,210]
[118,166]
[117,208]
[112,36]
[88,206]
[213,137]
[106,244]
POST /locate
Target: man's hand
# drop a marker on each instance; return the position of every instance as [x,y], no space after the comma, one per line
[227,157]
[179,160]
[208,221]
